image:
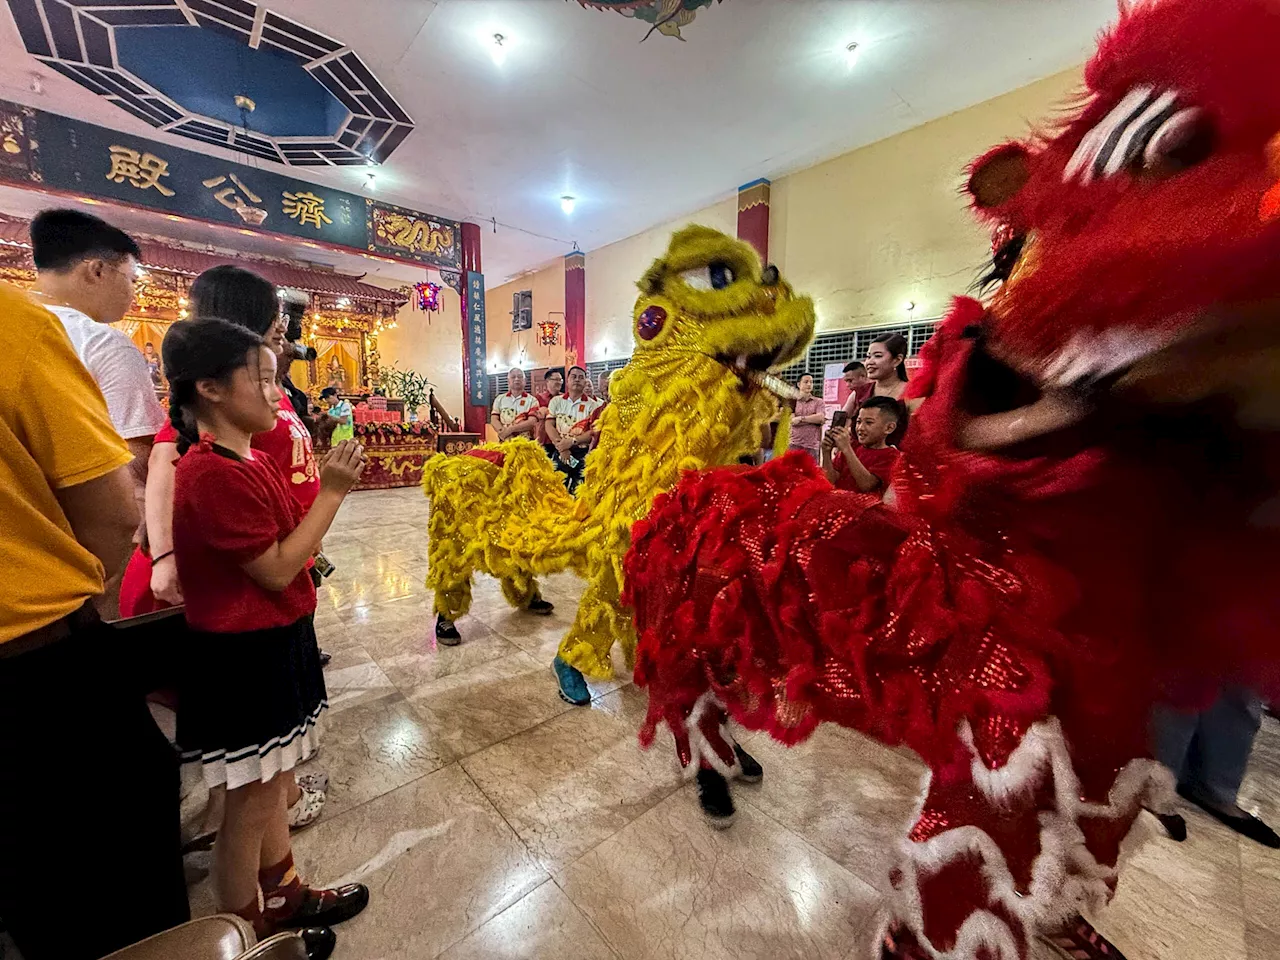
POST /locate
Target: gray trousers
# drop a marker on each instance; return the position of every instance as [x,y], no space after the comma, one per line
[1208,752]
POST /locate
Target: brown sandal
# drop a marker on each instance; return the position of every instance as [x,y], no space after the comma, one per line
[1078,940]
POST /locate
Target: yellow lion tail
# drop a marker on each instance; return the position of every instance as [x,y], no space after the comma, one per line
[512,521]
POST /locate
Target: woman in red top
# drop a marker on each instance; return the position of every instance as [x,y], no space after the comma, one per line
[255,688]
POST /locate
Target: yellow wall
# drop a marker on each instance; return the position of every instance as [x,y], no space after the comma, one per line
[863,233]
[430,343]
[612,273]
[504,346]
[869,231]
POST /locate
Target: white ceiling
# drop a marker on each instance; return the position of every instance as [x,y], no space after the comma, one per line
[638,132]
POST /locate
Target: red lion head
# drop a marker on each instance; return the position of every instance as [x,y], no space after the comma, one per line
[1152,212]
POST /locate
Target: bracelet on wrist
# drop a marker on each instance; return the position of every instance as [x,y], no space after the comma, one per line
[164,556]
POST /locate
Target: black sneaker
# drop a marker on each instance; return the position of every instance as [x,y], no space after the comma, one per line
[715,800]
[446,632]
[751,771]
[325,658]
[539,606]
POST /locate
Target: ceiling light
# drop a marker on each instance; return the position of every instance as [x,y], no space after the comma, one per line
[851,55]
[911,305]
[567,203]
[370,182]
[498,49]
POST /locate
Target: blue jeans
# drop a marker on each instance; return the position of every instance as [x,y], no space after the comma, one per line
[1208,752]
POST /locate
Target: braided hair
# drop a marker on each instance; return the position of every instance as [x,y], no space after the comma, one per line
[206,348]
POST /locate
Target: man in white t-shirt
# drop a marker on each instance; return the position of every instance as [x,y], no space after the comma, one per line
[515,413]
[570,427]
[85,275]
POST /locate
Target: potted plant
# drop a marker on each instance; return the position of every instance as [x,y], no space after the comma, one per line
[407,385]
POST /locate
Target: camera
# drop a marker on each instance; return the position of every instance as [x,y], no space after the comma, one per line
[293,304]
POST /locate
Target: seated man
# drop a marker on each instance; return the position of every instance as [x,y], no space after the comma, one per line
[515,413]
[569,427]
[867,467]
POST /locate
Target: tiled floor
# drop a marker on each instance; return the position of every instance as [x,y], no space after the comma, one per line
[491,820]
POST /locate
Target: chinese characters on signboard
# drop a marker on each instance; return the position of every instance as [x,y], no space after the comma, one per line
[88,160]
[479,395]
[140,170]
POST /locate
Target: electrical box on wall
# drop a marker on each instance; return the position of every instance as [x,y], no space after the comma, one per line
[521,311]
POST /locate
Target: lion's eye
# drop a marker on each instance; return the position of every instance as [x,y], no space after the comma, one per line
[715,276]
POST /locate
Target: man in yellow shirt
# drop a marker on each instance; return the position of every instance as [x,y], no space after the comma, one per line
[87,781]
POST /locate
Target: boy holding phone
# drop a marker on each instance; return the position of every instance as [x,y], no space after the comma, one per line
[867,467]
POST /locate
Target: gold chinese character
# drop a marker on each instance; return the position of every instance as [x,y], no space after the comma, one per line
[232,200]
[305,207]
[142,170]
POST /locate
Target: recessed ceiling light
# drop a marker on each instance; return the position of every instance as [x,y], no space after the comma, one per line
[851,55]
[498,48]
[567,203]
[911,305]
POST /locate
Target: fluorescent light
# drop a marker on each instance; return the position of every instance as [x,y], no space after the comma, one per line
[567,204]
[851,55]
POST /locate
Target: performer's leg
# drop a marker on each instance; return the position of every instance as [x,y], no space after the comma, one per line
[1222,747]
[1172,733]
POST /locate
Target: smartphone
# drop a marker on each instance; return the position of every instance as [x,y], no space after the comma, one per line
[839,419]
[323,566]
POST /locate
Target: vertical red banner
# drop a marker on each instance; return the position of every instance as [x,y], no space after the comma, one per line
[474,417]
[575,309]
[753,216]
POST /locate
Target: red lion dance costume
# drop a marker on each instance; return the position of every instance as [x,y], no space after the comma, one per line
[1015,610]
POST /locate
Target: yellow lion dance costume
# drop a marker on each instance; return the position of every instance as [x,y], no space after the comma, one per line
[708,325]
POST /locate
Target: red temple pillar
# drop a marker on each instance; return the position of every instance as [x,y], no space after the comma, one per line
[575,309]
[753,216]
[474,416]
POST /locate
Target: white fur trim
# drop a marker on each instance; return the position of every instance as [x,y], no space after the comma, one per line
[699,749]
[1065,877]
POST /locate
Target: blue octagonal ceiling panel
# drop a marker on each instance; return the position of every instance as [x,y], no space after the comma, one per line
[180,64]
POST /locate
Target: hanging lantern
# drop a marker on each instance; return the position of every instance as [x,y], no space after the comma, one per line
[427,296]
[548,333]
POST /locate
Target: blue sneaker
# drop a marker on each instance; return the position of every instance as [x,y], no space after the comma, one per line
[573,689]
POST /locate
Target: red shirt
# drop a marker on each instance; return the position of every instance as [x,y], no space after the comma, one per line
[226,512]
[289,445]
[879,462]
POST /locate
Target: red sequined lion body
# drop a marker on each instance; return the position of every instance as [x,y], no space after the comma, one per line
[1016,609]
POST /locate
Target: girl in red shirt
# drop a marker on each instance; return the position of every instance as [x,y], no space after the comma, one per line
[150,581]
[254,690]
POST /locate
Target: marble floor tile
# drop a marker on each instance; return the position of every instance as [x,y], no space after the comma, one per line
[847,795]
[669,886]
[438,859]
[1261,943]
[472,709]
[1179,901]
[415,658]
[545,925]
[352,677]
[1258,793]
[372,748]
[574,781]
[1261,880]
